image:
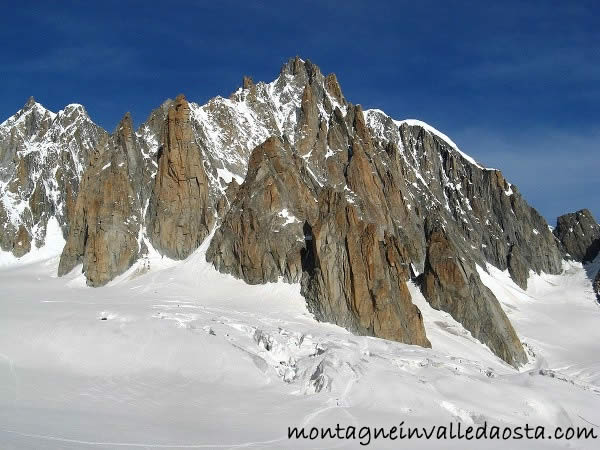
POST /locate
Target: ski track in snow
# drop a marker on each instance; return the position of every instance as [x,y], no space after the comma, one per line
[130,444]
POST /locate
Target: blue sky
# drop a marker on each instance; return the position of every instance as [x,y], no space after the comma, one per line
[515,84]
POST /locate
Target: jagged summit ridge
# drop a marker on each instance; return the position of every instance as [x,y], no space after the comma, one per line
[297,183]
[42,158]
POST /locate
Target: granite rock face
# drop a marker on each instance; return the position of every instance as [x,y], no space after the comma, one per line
[517,267]
[22,244]
[297,184]
[579,234]
[180,214]
[355,275]
[103,234]
[478,204]
[451,283]
[261,236]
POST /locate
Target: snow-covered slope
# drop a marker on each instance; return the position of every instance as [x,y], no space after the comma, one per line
[172,354]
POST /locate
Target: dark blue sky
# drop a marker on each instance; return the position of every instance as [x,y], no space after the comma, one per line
[515,84]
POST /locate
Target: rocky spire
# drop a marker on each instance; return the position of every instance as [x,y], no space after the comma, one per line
[180,214]
[261,237]
[103,234]
[293,66]
[355,276]
[334,89]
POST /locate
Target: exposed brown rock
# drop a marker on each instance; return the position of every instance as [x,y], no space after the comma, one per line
[224,203]
[363,180]
[22,242]
[247,82]
[517,267]
[308,126]
[261,236]
[21,180]
[104,231]
[70,198]
[297,66]
[361,130]
[7,230]
[451,283]
[312,131]
[355,275]
[180,215]
[334,89]
[338,141]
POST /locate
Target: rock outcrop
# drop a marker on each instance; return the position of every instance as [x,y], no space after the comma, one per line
[495,223]
[103,234]
[261,236]
[517,267]
[180,214]
[451,283]
[596,285]
[579,234]
[355,275]
[22,244]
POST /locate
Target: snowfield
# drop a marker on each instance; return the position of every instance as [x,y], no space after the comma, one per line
[176,355]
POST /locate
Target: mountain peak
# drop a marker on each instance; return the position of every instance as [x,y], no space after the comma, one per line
[31,111]
[247,82]
[126,122]
[293,66]
[30,102]
[300,67]
[72,112]
[38,108]
[75,107]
